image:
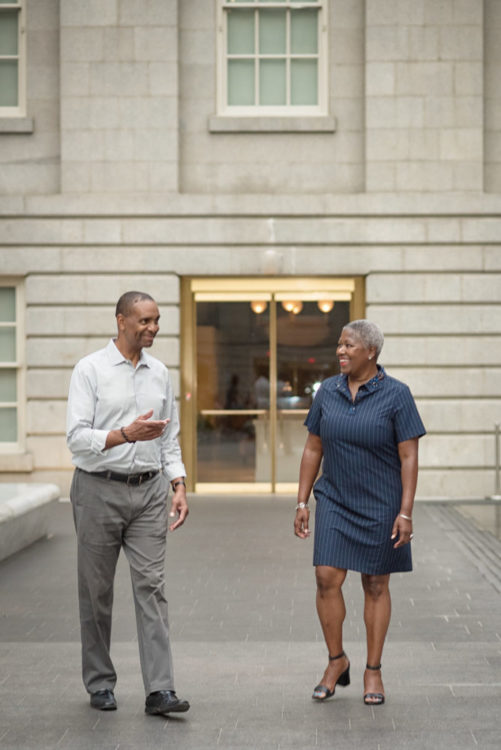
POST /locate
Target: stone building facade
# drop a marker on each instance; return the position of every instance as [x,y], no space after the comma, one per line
[126,165]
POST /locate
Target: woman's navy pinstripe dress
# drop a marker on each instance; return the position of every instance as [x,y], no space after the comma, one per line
[359,493]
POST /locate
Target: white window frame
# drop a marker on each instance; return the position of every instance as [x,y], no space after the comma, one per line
[20,365]
[20,110]
[290,110]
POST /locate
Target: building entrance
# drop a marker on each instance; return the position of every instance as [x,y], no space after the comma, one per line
[255,352]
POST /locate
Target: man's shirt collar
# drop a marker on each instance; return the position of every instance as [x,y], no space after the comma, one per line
[117,358]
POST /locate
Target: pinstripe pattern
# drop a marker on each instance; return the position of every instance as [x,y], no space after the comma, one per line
[359,493]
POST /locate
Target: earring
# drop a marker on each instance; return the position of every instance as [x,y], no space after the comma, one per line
[370,357]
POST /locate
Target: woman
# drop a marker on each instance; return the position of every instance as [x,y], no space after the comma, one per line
[365,426]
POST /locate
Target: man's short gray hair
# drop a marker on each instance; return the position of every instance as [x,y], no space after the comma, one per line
[368,332]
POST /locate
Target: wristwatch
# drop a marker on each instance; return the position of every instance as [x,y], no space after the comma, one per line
[301,506]
[179,481]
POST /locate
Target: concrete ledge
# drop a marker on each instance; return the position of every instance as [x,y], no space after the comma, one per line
[260,124]
[24,514]
[15,125]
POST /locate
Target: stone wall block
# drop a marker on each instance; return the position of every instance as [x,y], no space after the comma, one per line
[75,177]
[449,382]
[119,45]
[120,177]
[454,319]
[424,44]
[90,13]
[381,79]
[461,42]
[457,450]
[455,483]
[65,351]
[84,44]
[46,417]
[460,415]
[441,350]
[99,289]
[461,143]
[48,383]
[147,12]
[424,176]
[75,79]
[78,320]
[49,452]
[424,78]
[162,79]
[155,44]
[118,79]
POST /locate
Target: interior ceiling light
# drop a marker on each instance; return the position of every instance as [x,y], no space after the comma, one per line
[258,306]
[325,305]
[292,306]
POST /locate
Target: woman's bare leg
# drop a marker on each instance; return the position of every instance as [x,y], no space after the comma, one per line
[377,614]
[331,612]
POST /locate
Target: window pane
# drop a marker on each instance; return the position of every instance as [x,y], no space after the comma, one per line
[272,82]
[241,32]
[240,82]
[8,83]
[304,32]
[7,304]
[8,32]
[8,385]
[8,425]
[272,32]
[304,82]
[7,344]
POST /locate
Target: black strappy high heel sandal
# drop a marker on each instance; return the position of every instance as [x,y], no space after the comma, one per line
[322,692]
[377,698]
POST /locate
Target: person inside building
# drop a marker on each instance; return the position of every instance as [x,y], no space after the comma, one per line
[122,428]
[365,426]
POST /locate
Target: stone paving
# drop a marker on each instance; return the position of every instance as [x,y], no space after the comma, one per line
[248,647]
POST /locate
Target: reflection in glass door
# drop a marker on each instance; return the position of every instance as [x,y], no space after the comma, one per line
[307,334]
[255,353]
[233,426]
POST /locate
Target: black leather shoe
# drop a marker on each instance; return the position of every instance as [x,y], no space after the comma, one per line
[104,700]
[165,702]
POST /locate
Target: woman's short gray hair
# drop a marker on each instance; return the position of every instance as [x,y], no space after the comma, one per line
[368,332]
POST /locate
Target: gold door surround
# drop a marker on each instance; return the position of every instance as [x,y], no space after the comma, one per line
[277,423]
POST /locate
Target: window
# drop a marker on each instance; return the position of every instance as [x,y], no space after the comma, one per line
[272,57]
[11,371]
[12,58]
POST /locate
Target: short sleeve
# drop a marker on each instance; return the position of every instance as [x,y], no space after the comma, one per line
[407,422]
[314,416]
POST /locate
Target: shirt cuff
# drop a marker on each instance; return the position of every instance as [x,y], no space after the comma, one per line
[98,441]
[174,470]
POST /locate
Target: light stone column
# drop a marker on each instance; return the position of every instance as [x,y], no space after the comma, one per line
[119,96]
[424,86]
[492,96]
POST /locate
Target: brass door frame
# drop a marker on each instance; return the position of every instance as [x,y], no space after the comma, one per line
[195,288]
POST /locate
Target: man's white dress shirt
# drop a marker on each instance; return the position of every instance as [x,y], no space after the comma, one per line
[107,392]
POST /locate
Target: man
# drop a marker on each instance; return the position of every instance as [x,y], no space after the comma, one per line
[122,430]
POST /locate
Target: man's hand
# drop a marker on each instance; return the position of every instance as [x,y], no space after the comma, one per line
[179,507]
[142,428]
[145,428]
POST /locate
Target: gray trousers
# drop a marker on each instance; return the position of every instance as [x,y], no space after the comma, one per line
[110,515]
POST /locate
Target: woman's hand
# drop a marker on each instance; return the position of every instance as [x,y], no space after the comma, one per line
[301,523]
[402,528]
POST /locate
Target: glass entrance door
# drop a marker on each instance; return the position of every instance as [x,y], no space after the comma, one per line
[253,360]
